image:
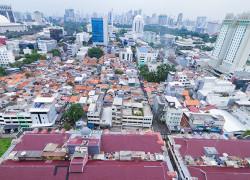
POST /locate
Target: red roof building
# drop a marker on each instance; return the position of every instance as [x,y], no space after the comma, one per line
[131,142]
[72,167]
[211,159]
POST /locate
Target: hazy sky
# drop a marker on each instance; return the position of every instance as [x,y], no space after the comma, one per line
[214,9]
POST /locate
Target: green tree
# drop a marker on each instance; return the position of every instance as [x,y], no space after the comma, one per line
[179,32]
[121,32]
[207,48]
[73,114]
[156,76]
[16,64]
[66,126]
[118,71]
[2,72]
[246,133]
[144,70]
[29,58]
[55,52]
[151,44]
[95,52]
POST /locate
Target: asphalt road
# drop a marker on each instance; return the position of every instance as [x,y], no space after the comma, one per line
[160,127]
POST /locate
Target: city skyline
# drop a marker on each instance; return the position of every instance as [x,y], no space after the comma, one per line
[191,8]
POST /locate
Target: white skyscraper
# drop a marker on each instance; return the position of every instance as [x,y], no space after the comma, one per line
[232,48]
[200,24]
[138,26]
[38,17]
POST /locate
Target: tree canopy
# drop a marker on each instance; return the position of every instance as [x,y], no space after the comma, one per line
[73,114]
[246,133]
[179,32]
[2,72]
[95,52]
[55,52]
[156,76]
[29,58]
[118,71]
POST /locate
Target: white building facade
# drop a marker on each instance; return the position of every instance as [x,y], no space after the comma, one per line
[138,26]
[232,48]
[126,54]
[46,45]
[6,25]
[172,113]
[82,37]
[125,115]
[146,55]
[16,116]
[43,112]
[6,56]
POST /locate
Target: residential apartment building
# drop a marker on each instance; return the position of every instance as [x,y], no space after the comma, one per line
[145,55]
[181,77]
[70,49]
[94,113]
[151,37]
[203,121]
[214,84]
[117,111]
[13,45]
[46,45]
[174,88]
[232,48]
[6,56]
[15,116]
[210,157]
[56,33]
[169,111]
[82,37]
[126,54]
[215,91]
[200,26]
[136,115]
[69,15]
[43,112]
[163,20]
[241,110]
[95,110]
[130,114]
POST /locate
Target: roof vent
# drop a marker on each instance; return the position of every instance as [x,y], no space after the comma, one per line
[23,153]
[210,151]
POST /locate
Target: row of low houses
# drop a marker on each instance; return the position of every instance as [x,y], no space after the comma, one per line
[100,86]
[197,102]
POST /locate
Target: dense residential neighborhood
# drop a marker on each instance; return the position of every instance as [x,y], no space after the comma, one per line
[124,96]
